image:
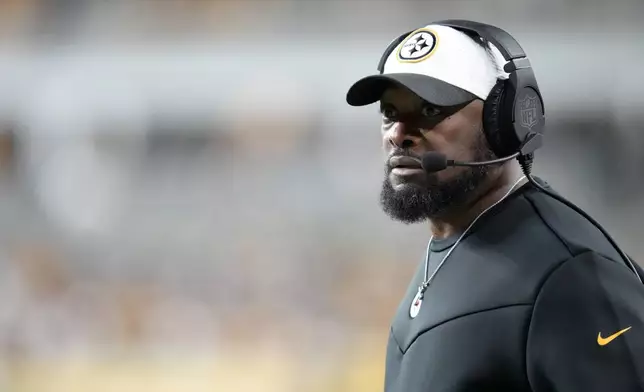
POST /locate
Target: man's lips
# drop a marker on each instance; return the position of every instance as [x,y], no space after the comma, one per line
[405,166]
[405,162]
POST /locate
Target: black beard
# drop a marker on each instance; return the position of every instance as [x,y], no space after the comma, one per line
[414,203]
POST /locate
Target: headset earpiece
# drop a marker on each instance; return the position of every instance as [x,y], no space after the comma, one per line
[498,122]
[495,131]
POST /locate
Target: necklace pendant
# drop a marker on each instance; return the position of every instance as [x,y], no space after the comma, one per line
[416,304]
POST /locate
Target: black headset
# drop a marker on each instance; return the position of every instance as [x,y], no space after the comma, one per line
[513,113]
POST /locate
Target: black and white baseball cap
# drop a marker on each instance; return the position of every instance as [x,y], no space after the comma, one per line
[442,65]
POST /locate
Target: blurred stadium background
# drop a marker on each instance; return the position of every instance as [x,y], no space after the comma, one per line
[187,203]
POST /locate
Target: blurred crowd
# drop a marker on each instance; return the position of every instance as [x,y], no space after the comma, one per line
[187,223]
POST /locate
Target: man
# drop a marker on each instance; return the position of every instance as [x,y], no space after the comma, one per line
[517,291]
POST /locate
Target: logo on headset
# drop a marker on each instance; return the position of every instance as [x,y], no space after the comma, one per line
[528,107]
[417,47]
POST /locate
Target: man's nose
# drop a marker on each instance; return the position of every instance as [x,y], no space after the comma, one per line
[404,135]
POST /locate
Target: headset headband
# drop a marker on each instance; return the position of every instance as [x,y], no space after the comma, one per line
[504,42]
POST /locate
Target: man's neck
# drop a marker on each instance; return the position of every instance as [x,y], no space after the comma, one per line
[456,222]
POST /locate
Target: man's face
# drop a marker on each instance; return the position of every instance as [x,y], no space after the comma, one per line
[412,127]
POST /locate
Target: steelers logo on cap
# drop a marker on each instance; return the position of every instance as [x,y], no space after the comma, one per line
[417,47]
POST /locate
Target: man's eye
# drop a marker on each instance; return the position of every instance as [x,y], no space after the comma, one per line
[389,115]
[430,111]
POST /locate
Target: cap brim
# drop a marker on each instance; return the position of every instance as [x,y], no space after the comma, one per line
[435,91]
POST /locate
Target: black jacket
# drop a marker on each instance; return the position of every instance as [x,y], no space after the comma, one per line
[526,302]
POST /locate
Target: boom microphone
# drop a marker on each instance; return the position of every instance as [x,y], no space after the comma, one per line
[434,161]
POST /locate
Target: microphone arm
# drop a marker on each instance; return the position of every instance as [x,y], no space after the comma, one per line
[434,161]
[451,162]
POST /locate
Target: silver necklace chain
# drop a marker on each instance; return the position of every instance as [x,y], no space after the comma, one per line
[423,287]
